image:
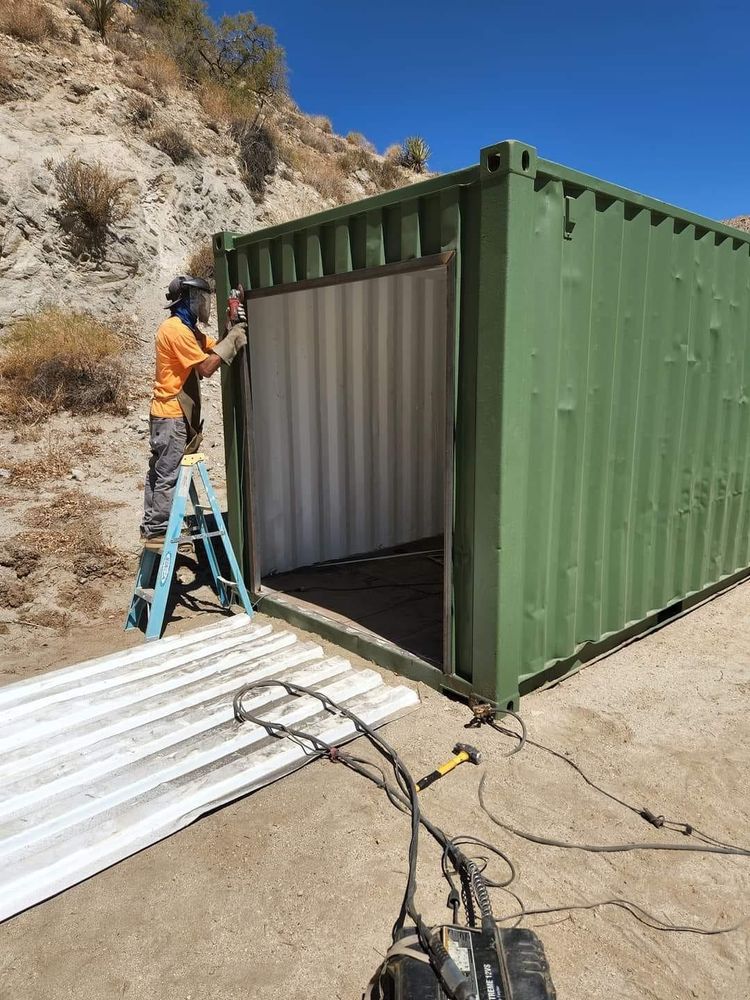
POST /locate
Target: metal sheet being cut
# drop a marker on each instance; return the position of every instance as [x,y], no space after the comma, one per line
[104,758]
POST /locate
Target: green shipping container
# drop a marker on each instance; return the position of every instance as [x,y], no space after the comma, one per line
[527,387]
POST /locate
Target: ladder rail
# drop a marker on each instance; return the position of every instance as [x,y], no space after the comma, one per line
[151,601]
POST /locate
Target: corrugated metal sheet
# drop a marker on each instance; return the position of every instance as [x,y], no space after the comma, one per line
[104,758]
[349,385]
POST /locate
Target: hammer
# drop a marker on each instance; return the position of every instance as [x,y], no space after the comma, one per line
[463,752]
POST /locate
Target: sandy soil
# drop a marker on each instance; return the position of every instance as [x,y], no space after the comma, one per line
[290,893]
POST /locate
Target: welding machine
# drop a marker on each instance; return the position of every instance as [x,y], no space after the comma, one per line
[508,964]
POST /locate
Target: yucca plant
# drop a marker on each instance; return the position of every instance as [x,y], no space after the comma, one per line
[102,13]
[414,154]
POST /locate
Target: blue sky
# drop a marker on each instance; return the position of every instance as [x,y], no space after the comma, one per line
[653,96]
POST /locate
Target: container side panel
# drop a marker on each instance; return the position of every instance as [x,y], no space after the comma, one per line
[630,392]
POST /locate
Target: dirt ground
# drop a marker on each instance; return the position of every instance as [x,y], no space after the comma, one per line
[291,892]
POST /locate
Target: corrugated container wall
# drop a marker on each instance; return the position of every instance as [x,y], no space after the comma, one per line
[600,412]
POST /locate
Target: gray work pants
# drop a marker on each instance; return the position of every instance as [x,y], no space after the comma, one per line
[168,441]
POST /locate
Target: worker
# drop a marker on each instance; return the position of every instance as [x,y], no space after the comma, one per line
[184,356]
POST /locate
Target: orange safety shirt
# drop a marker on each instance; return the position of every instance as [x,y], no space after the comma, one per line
[177,351]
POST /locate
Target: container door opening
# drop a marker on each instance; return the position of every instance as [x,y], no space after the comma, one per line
[352,452]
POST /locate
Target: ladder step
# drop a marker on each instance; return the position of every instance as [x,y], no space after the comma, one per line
[201,534]
[145,594]
[227,583]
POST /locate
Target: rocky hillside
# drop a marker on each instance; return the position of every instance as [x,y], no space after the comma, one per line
[71,94]
[171,153]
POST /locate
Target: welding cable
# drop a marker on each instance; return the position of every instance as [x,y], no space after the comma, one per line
[659,822]
[634,909]
[403,776]
[703,848]
[451,846]
[451,977]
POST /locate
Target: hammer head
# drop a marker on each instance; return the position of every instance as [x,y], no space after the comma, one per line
[474,755]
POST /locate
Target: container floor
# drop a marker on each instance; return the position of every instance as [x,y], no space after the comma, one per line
[397,596]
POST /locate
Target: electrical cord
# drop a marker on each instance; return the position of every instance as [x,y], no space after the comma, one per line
[709,844]
[640,914]
[703,848]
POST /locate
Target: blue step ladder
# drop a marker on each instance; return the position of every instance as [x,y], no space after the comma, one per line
[150,598]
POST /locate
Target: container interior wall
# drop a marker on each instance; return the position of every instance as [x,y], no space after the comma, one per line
[626,444]
[349,385]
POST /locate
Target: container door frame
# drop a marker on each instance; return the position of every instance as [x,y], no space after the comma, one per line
[446,260]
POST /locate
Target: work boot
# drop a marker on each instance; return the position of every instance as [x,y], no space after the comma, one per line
[154,543]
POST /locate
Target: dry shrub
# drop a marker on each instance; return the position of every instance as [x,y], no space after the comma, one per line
[387,174]
[325,176]
[357,139]
[315,140]
[53,463]
[82,10]
[174,142]
[57,522]
[161,70]
[141,110]
[135,82]
[393,152]
[68,526]
[27,20]
[354,159]
[217,101]
[200,263]
[258,153]
[92,199]
[128,45]
[61,360]
[322,122]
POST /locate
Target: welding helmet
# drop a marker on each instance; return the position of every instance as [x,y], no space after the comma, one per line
[194,292]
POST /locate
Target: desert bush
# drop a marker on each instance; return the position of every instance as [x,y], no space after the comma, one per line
[200,263]
[357,139]
[141,110]
[258,153]
[414,154]
[102,14]
[129,45]
[134,81]
[62,360]
[355,158]
[52,462]
[26,20]
[216,100]
[322,122]
[92,199]
[393,152]
[387,174]
[173,141]
[324,175]
[161,70]
[315,140]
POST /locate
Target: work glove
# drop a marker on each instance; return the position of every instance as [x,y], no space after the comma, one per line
[227,348]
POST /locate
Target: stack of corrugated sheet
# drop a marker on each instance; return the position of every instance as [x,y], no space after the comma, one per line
[103,758]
